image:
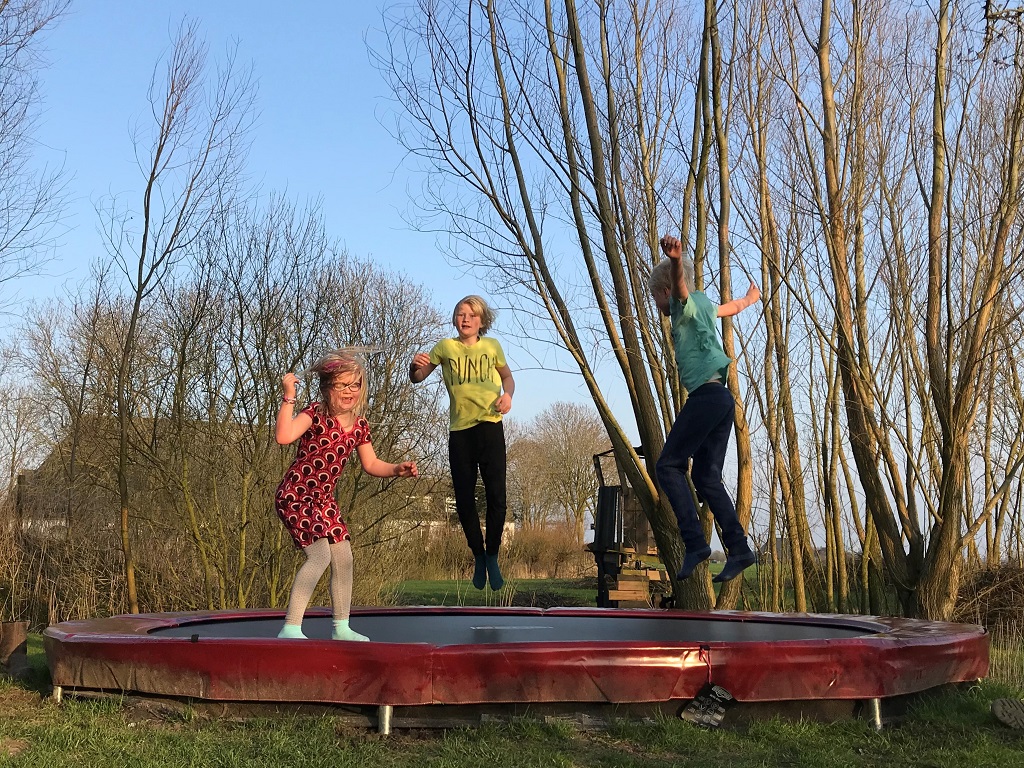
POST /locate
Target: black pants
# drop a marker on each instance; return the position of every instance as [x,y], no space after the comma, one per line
[479,449]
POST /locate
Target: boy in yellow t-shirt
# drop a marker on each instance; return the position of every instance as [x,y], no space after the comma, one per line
[480,388]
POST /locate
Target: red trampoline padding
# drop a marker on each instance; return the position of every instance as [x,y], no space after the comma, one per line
[507,655]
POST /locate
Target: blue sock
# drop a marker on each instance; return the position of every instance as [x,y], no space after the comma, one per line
[480,572]
[735,564]
[494,573]
[292,631]
[694,557]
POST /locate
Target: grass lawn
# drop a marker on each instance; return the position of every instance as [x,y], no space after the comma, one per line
[953,729]
[539,593]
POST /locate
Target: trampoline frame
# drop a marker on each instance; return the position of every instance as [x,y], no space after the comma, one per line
[893,657]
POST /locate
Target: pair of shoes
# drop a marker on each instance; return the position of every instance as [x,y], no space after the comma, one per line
[735,565]
[694,557]
[1009,712]
[494,573]
[480,572]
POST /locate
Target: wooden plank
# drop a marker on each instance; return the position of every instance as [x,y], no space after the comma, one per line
[634,603]
[637,579]
[627,594]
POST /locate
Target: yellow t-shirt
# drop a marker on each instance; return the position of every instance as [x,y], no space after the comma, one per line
[471,377]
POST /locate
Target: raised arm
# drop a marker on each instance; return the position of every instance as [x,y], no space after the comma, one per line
[290,427]
[420,368]
[672,247]
[733,307]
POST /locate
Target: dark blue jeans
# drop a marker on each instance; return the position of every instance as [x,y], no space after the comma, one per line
[701,433]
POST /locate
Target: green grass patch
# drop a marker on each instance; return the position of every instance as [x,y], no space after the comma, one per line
[954,729]
[539,593]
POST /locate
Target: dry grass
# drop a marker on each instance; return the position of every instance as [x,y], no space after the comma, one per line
[994,598]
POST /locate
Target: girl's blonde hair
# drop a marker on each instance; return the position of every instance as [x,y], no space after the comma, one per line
[333,365]
[661,275]
[480,309]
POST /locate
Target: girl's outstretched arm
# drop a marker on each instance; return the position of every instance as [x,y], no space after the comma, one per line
[377,468]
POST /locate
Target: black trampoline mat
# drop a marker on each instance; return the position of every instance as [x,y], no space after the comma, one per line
[461,629]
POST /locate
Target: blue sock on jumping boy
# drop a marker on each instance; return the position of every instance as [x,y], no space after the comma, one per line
[740,558]
[480,571]
[494,573]
[486,569]
[696,554]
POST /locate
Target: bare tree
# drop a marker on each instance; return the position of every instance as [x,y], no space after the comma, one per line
[30,199]
[271,293]
[554,138]
[869,154]
[529,502]
[568,436]
[191,163]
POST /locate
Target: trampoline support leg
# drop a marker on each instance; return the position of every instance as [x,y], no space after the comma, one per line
[58,694]
[875,713]
[384,719]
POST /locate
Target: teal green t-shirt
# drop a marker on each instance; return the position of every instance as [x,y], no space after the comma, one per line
[699,353]
[471,377]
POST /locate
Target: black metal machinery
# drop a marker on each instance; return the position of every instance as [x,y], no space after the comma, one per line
[622,538]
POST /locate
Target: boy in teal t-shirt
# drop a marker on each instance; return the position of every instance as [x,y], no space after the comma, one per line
[701,430]
[480,387]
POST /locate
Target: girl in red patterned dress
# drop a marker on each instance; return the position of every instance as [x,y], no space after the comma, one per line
[328,432]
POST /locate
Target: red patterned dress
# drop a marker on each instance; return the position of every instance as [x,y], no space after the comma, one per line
[305,498]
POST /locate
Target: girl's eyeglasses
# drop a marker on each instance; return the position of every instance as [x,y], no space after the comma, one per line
[353,386]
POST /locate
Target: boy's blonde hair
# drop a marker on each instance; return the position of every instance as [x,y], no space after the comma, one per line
[661,275]
[480,309]
[333,365]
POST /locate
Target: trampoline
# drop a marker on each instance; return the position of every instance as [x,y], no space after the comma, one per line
[485,656]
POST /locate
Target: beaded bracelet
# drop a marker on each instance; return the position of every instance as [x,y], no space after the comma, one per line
[289,400]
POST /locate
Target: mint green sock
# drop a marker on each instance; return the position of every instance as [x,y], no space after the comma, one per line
[342,631]
[292,631]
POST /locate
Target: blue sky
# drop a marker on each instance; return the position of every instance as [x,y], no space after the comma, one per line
[320,133]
